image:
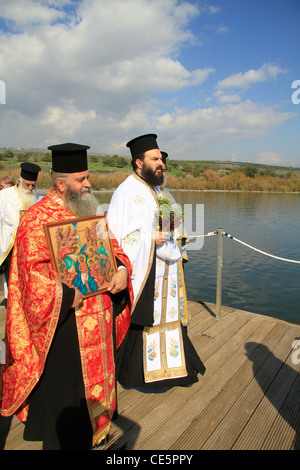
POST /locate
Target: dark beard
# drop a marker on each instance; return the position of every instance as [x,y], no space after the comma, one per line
[81,206]
[151,178]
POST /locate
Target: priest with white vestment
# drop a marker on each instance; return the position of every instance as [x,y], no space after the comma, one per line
[14,201]
[156,353]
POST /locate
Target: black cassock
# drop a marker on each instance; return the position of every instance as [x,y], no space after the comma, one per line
[58,413]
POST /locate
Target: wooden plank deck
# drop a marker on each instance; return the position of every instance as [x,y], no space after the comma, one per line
[248,399]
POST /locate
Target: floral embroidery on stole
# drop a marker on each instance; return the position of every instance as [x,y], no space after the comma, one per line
[163,345]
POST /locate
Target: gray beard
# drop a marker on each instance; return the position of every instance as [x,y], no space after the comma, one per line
[81,206]
[28,198]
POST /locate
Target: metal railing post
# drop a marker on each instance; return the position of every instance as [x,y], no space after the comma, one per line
[219,274]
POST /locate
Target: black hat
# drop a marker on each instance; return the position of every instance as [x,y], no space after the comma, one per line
[69,158]
[164,156]
[29,171]
[141,144]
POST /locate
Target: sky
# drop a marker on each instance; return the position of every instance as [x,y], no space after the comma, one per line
[214,79]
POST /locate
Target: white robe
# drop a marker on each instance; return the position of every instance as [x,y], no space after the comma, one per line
[11,208]
[131,219]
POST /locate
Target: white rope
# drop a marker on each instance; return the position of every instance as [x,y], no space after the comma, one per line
[259,251]
[209,234]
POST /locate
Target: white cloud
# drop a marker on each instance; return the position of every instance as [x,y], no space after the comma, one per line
[24,13]
[92,78]
[269,158]
[108,59]
[222,29]
[206,127]
[200,75]
[67,121]
[227,98]
[211,9]
[104,62]
[251,77]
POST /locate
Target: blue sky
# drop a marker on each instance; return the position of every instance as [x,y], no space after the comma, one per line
[212,78]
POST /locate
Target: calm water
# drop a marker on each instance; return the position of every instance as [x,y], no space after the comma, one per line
[251,281]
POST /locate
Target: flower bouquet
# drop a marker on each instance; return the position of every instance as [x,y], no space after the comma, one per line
[168,216]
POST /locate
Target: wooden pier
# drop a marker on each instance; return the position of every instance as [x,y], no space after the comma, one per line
[248,399]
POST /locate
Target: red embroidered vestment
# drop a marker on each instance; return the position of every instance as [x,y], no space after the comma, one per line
[34,301]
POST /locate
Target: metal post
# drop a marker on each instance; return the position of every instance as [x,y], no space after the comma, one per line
[219,273]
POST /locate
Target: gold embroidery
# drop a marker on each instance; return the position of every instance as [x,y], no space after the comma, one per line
[90,323]
[96,390]
[139,200]
[98,410]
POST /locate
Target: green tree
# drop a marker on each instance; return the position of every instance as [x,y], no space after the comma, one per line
[121,162]
[172,164]
[8,154]
[115,161]
[46,157]
[24,157]
[106,161]
[250,170]
[93,158]
[187,167]
[197,171]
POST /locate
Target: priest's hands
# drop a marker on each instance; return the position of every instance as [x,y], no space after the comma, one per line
[118,282]
[161,237]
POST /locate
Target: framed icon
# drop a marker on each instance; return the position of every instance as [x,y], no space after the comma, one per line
[81,253]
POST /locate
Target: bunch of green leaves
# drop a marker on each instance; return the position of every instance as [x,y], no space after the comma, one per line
[168,216]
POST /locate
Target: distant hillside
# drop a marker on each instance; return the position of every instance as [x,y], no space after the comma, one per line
[107,171]
[227,166]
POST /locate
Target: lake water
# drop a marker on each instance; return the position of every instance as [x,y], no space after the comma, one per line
[251,281]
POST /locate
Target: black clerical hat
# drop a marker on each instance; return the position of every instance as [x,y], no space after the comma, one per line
[164,156]
[29,171]
[69,158]
[141,144]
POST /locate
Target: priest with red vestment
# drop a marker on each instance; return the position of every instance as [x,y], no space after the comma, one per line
[59,376]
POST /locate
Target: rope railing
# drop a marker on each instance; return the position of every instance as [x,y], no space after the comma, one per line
[220,232]
[209,234]
[260,251]
[228,235]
